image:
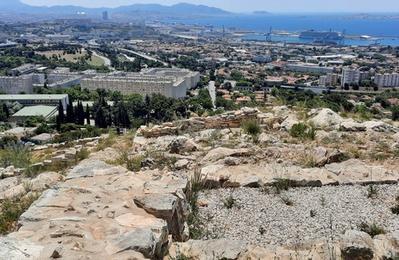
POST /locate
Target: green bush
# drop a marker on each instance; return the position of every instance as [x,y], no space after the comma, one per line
[252,128]
[10,211]
[17,155]
[371,229]
[303,131]
[395,113]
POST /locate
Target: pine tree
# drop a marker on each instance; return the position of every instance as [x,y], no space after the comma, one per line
[6,110]
[87,114]
[61,114]
[121,118]
[80,114]
[70,116]
[99,118]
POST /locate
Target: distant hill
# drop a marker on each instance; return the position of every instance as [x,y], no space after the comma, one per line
[182,9]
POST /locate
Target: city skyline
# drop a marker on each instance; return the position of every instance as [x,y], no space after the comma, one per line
[248,6]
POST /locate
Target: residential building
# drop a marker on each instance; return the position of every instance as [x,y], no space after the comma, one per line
[309,68]
[387,80]
[170,82]
[350,76]
[331,79]
[15,85]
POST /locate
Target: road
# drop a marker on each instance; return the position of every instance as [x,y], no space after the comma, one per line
[107,62]
[212,92]
[145,56]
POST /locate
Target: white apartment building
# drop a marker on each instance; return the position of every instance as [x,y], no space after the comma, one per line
[331,79]
[16,85]
[387,80]
[309,68]
[350,76]
[169,82]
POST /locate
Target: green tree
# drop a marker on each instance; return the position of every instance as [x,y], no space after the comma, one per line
[395,113]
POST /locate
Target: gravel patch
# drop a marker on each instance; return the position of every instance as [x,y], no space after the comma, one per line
[323,213]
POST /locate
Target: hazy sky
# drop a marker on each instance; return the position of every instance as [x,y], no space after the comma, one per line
[251,5]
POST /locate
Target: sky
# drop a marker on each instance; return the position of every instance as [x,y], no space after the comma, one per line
[251,5]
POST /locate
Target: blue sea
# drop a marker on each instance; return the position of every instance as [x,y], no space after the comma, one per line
[384,28]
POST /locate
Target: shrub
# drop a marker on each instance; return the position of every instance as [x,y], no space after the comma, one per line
[82,154]
[371,229]
[229,202]
[395,209]
[10,211]
[303,131]
[252,128]
[395,113]
[372,191]
[17,155]
[282,184]
[286,200]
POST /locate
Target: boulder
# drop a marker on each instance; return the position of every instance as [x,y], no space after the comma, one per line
[182,164]
[352,126]
[45,181]
[354,171]
[325,118]
[168,207]
[267,139]
[379,126]
[150,242]
[289,122]
[182,145]
[17,249]
[222,152]
[91,168]
[206,250]
[356,245]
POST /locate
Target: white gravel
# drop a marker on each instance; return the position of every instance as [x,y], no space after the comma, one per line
[264,219]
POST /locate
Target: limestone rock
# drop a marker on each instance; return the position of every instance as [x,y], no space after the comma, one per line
[221,152]
[91,168]
[206,250]
[357,245]
[290,121]
[182,145]
[168,207]
[150,242]
[355,171]
[379,126]
[352,126]
[17,249]
[325,118]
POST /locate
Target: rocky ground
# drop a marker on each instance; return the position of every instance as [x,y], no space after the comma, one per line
[263,218]
[272,195]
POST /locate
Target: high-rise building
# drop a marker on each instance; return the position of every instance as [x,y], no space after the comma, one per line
[331,79]
[387,80]
[105,16]
[350,76]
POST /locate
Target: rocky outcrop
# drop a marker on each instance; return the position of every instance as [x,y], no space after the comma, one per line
[357,245]
[325,118]
[221,152]
[182,145]
[231,119]
[92,214]
[205,250]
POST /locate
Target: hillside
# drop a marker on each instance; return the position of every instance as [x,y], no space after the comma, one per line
[181,9]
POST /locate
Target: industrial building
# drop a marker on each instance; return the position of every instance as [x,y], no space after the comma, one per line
[39,99]
[46,112]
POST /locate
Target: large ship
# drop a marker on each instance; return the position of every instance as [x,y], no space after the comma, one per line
[321,36]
